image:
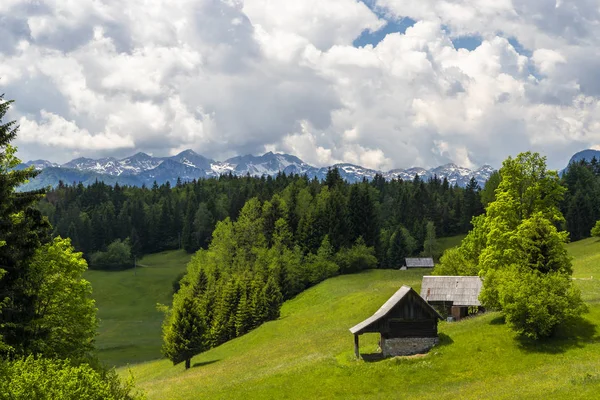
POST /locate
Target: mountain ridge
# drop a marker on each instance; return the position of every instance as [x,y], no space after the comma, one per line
[143,169]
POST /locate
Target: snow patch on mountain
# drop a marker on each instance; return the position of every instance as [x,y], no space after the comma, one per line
[189,165]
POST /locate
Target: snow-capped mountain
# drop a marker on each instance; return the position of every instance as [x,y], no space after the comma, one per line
[138,163]
[267,164]
[38,164]
[193,159]
[142,169]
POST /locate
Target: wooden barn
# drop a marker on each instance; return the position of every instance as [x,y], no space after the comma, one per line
[455,293]
[407,325]
[419,262]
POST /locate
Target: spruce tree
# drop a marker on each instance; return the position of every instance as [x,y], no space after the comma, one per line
[185,336]
[273,298]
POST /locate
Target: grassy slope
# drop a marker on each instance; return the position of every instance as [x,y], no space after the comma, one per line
[126,300]
[308,352]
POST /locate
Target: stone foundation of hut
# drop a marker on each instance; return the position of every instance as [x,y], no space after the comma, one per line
[407,346]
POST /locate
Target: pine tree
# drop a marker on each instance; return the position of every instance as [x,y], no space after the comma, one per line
[430,247]
[243,317]
[273,298]
[188,222]
[185,336]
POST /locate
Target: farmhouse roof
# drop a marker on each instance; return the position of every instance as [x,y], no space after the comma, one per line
[419,262]
[460,290]
[389,305]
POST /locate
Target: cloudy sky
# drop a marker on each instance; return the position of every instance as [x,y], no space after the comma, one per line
[381,83]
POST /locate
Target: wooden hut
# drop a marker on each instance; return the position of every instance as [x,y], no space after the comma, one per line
[419,262]
[407,325]
[455,293]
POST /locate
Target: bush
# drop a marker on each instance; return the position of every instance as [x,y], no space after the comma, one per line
[536,303]
[116,257]
[596,230]
[45,378]
[357,258]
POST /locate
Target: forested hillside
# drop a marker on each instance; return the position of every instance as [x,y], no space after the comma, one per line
[164,217]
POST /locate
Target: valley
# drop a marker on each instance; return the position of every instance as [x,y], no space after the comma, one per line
[308,353]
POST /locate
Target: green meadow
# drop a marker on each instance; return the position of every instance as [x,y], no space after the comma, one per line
[130,325]
[308,351]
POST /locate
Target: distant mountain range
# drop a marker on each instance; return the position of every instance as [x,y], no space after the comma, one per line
[142,169]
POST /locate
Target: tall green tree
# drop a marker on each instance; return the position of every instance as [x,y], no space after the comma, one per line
[517,249]
[185,334]
[65,320]
[22,231]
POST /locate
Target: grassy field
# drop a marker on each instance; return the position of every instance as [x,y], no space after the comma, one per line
[447,242]
[308,352]
[129,322]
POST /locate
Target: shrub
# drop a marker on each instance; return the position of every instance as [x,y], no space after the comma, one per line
[116,257]
[45,378]
[536,303]
[357,258]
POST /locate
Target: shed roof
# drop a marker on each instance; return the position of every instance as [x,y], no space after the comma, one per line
[419,262]
[460,290]
[387,307]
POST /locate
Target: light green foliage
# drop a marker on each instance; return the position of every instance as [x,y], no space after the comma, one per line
[453,262]
[50,379]
[117,256]
[536,303]
[516,244]
[596,230]
[65,315]
[430,247]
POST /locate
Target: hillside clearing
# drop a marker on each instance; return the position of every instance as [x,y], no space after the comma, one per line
[129,329]
[308,352]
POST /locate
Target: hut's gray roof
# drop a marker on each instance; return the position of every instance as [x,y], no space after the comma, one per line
[387,307]
[419,262]
[460,290]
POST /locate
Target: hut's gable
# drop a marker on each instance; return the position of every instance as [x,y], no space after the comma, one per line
[406,322]
[419,262]
[404,309]
[458,290]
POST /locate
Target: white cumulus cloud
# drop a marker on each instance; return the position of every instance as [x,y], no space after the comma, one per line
[228,77]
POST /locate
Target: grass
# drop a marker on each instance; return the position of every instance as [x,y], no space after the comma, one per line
[129,330]
[448,242]
[308,352]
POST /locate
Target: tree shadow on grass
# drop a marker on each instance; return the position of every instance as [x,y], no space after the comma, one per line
[499,320]
[444,340]
[574,334]
[203,363]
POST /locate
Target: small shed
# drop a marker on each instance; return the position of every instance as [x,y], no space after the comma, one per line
[456,293]
[419,262]
[407,325]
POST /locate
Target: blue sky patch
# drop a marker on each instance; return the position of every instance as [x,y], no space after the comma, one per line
[467,42]
[392,26]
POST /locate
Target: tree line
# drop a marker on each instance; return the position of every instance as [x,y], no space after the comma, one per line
[113,224]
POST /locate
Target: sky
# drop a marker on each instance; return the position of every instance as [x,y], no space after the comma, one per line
[381,83]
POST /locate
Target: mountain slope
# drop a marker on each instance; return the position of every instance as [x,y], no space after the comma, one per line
[142,168]
[308,352]
[585,155]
